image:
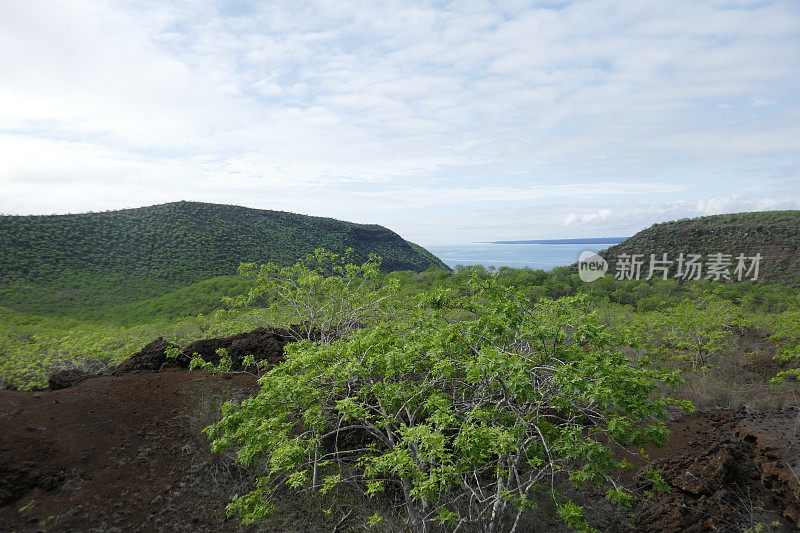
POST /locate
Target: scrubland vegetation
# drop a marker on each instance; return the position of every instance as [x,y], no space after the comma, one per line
[469,400]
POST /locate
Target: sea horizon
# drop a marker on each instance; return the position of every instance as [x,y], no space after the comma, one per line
[544,254]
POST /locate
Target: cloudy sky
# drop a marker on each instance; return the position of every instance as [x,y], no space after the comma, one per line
[446,121]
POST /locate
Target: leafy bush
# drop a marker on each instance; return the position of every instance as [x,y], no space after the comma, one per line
[786,331]
[699,327]
[329,296]
[468,409]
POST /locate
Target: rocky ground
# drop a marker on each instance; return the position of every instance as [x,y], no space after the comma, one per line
[124,452]
[727,471]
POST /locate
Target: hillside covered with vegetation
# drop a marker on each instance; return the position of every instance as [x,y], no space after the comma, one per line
[499,399]
[50,263]
[470,370]
[775,235]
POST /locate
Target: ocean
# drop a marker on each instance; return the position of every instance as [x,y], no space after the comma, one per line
[544,254]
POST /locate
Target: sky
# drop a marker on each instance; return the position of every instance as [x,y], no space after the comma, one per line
[448,122]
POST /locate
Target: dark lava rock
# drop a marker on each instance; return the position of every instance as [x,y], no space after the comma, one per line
[262,343]
[726,471]
[151,357]
[67,378]
[16,481]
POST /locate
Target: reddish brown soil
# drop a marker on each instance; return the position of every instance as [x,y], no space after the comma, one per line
[113,453]
[124,452]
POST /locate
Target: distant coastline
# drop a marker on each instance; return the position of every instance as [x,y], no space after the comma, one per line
[540,253]
[586,240]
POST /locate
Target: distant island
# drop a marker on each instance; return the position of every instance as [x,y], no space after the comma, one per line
[585,240]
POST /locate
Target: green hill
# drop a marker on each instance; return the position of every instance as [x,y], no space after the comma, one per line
[60,262]
[773,234]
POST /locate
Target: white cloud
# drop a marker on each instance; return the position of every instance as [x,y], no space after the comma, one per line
[401,113]
[640,215]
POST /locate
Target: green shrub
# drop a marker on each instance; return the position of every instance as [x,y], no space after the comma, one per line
[469,408]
